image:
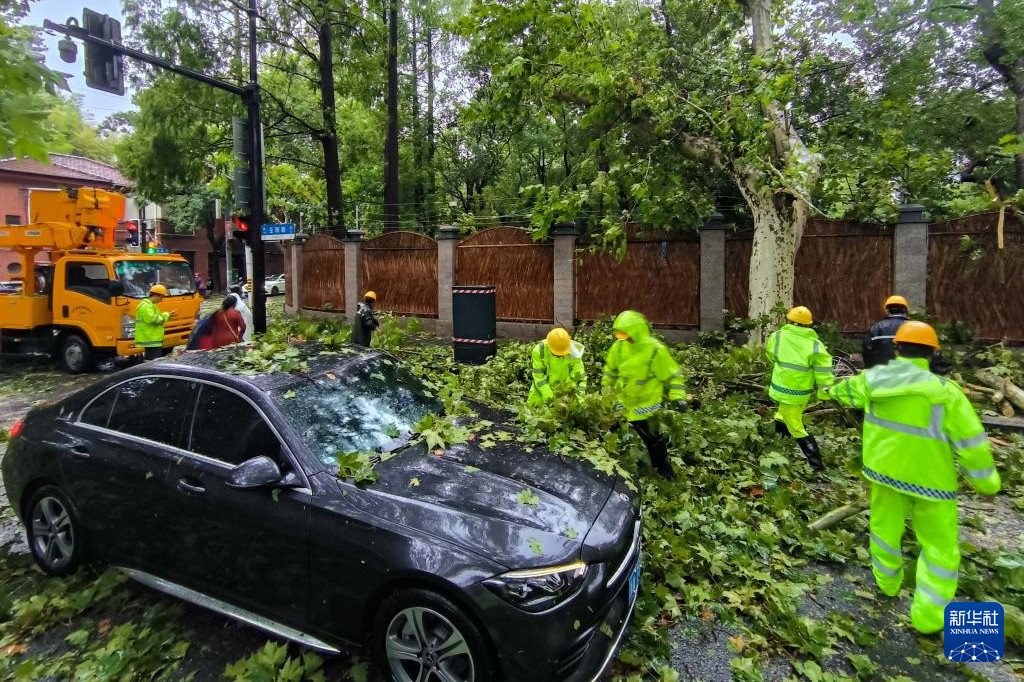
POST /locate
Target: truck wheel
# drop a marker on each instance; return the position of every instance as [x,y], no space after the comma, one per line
[76,354]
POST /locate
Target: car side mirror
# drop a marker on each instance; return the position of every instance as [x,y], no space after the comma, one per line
[255,473]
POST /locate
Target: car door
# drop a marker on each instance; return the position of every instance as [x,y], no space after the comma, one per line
[115,458]
[248,547]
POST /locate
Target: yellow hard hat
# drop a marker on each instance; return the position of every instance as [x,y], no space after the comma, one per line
[372,295]
[917,332]
[896,300]
[559,342]
[621,335]
[800,315]
[159,290]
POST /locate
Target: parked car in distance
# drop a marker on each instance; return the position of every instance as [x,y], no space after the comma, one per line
[479,564]
[275,285]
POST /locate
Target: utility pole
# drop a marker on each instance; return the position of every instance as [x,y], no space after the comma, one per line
[258,217]
[102,36]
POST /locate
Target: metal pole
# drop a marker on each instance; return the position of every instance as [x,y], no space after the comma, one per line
[259,296]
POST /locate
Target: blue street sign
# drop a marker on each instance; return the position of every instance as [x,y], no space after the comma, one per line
[277,231]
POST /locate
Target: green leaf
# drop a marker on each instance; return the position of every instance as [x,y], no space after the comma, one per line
[536,547]
[528,498]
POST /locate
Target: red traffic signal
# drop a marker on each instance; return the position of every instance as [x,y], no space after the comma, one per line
[240,224]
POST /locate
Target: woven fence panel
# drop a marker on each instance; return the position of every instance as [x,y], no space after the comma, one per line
[844,272]
[972,280]
[737,272]
[521,269]
[401,268]
[323,274]
[659,278]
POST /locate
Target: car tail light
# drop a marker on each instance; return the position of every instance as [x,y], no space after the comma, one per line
[16,430]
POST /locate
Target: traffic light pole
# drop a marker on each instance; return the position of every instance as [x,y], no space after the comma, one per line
[256,220]
[250,95]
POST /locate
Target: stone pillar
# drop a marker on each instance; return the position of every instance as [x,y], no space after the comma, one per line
[565,274]
[447,242]
[353,272]
[295,276]
[712,273]
[910,256]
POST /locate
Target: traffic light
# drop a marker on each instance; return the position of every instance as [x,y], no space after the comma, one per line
[240,227]
[241,139]
[152,247]
[133,232]
[104,70]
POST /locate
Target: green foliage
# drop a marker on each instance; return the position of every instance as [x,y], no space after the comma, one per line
[357,467]
[273,664]
[24,82]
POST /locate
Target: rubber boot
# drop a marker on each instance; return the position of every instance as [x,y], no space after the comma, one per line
[782,429]
[809,447]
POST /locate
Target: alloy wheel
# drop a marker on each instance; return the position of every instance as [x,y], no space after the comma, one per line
[53,535]
[424,646]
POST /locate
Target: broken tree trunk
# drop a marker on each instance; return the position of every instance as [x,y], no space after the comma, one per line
[1013,393]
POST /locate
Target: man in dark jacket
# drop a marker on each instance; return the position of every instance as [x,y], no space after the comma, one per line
[366,322]
[878,347]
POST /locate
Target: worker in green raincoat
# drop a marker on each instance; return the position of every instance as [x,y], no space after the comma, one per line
[917,427]
[556,367]
[800,362]
[641,373]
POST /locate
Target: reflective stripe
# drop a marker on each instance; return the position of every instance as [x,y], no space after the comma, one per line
[933,432]
[539,371]
[940,571]
[932,596]
[791,391]
[796,368]
[909,487]
[885,569]
[980,473]
[676,387]
[849,391]
[677,374]
[885,546]
[778,342]
[817,347]
[971,442]
[825,370]
[647,410]
[542,382]
[641,382]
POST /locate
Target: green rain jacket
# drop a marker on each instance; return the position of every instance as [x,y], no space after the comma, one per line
[801,362]
[640,370]
[916,426]
[553,374]
[149,324]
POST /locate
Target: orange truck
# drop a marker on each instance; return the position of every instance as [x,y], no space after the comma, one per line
[79,307]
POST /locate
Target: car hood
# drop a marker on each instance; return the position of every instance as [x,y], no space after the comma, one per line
[520,509]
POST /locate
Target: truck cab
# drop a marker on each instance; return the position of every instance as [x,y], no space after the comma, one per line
[80,307]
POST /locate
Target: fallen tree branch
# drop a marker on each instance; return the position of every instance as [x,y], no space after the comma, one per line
[1012,392]
[841,514]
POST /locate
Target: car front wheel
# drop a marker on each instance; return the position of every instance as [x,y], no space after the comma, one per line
[54,534]
[274,291]
[421,636]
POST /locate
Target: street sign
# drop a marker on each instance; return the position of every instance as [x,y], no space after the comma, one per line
[278,232]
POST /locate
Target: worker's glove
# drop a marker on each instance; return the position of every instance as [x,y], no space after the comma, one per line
[679,406]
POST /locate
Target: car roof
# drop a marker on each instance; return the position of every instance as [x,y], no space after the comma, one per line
[340,360]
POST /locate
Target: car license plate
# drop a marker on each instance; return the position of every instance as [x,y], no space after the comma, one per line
[634,583]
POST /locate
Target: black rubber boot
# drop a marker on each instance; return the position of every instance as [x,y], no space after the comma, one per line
[782,429]
[809,447]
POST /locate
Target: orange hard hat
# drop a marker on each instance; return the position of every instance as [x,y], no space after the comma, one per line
[372,295]
[159,290]
[800,315]
[896,300]
[917,332]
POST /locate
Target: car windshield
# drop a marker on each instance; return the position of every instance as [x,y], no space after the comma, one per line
[138,276]
[373,404]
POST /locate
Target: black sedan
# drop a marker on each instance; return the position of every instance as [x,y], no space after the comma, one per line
[223,487]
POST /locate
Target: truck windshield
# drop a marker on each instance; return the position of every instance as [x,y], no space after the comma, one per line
[138,276]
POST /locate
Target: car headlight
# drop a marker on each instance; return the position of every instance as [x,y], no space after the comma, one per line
[539,589]
[127,326]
